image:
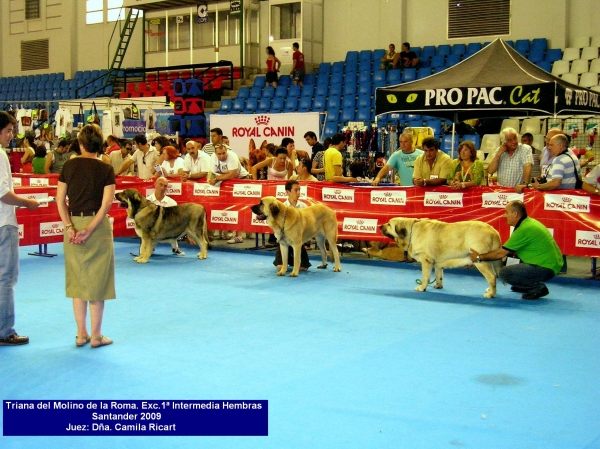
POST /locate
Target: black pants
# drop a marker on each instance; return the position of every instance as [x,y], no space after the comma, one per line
[304,262]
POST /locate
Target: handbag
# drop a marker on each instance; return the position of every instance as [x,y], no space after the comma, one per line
[94,117]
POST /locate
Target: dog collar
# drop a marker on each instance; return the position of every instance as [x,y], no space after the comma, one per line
[283,226]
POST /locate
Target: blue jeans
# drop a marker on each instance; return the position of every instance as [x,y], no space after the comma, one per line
[526,276]
[9,271]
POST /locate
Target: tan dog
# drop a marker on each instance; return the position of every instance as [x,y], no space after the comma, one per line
[294,226]
[385,251]
[445,245]
[156,223]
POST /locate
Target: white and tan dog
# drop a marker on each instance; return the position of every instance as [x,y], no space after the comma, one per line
[445,245]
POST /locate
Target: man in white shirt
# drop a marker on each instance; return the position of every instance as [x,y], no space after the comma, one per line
[145,158]
[196,163]
[224,165]
[118,158]
[160,198]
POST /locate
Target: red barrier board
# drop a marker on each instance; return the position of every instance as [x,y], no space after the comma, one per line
[573,216]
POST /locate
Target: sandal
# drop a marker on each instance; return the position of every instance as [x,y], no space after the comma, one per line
[104,341]
[87,339]
[236,240]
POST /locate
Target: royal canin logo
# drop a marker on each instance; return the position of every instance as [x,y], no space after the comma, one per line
[247,187]
[566,199]
[503,197]
[387,193]
[262,120]
[337,192]
[55,225]
[223,214]
[597,236]
[360,221]
[443,197]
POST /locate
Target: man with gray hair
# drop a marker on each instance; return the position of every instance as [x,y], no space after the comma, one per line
[564,170]
[512,160]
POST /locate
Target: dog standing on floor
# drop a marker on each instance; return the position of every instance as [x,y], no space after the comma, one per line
[294,226]
[156,223]
[445,245]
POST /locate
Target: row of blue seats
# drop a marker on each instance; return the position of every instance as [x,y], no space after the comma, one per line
[56,84]
[56,94]
[31,78]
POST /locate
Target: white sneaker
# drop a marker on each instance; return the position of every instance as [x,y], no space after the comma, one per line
[178,252]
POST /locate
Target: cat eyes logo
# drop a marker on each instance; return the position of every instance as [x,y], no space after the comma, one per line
[411,98]
[392,98]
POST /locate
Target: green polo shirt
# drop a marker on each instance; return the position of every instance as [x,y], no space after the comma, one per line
[534,245]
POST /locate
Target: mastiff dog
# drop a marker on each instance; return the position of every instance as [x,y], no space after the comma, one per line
[445,245]
[154,223]
[294,226]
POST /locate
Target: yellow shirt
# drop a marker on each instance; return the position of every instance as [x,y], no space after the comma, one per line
[440,169]
[331,158]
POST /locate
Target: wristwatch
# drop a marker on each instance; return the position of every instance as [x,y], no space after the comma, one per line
[596,191]
[462,184]
[478,259]
[529,185]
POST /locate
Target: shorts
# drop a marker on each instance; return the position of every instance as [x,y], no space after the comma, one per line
[271,77]
[298,75]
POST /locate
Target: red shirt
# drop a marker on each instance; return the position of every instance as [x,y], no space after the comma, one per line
[115,147]
[299,58]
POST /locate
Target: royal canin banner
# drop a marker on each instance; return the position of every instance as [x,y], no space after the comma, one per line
[246,131]
[573,215]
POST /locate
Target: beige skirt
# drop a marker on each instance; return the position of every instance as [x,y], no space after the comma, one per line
[90,266]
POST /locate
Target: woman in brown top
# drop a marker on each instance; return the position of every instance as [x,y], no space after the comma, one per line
[89,184]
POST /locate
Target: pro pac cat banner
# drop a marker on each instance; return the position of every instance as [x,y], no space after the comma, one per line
[265,128]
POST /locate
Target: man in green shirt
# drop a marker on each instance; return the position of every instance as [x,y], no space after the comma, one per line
[540,256]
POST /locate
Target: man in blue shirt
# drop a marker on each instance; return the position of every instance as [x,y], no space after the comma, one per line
[403,161]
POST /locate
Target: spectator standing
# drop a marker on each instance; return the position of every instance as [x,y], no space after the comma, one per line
[145,158]
[112,144]
[9,238]
[311,139]
[89,185]
[196,163]
[39,161]
[297,66]
[403,161]
[55,159]
[536,155]
[332,158]
[216,138]
[118,158]
[512,160]
[466,170]
[273,65]
[564,169]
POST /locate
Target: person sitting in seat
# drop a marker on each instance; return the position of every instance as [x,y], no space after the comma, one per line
[409,58]
[390,59]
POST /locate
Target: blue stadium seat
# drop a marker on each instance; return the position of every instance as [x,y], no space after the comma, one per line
[472,48]
[364,100]
[251,105]
[379,83]
[319,103]
[536,55]
[364,114]
[278,104]
[259,81]
[323,79]
[324,68]
[351,66]
[244,92]
[437,62]
[337,78]
[284,80]
[423,72]
[393,76]
[350,77]
[337,67]
[294,91]
[363,66]
[417,51]
[452,60]
[459,49]
[330,129]
[305,104]
[349,88]
[364,77]
[428,51]
[291,104]
[545,65]
[255,92]
[108,91]
[446,144]
[335,89]
[379,75]
[510,43]
[443,50]
[334,102]
[322,90]
[268,91]
[539,44]
[377,55]
[281,91]
[308,91]
[553,54]
[436,125]
[365,88]
[238,104]
[333,115]
[347,115]
[264,104]
[349,101]
[522,45]
[226,106]
[310,78]
[415,123]
[475,138]
[352,56]
[409,74]
[364,55]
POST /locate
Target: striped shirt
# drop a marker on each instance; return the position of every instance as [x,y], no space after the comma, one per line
[566,168]
[510,168]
